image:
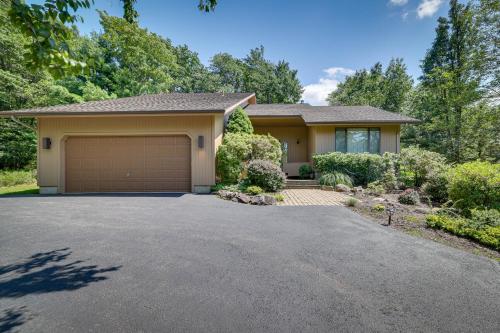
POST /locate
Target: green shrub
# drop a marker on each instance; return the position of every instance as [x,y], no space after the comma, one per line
[265,147]
[239,122]
[378,208]
[17,177]
[419,163]
[376,188]
[487,235]
[435,186]
[305,171]
[486,217]
[474,185]
[335,178]
[389,180]
[254,190]
[362,168]
[226,187]
[279,197]
[17,144]
[265,174]
[351,202]
[409,197]
[237,149]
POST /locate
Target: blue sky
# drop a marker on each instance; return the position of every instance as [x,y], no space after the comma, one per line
[323,39]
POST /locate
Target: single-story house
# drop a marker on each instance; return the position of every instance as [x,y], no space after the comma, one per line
[168,142]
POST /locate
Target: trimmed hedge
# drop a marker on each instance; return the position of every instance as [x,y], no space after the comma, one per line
[362,168]
[488,235]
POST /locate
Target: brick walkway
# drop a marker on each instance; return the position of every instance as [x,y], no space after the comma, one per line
[299,197]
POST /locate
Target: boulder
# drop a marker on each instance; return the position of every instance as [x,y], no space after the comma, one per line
[342,188]
[379,199]
[269,200]
[257,200]
[357,189]
[327,188]
[227,195]
[243,198]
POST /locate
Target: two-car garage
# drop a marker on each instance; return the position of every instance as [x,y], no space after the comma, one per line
[128,164]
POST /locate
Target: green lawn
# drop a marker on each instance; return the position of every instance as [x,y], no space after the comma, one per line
[19,189]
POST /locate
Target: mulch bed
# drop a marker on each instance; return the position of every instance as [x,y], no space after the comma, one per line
[411,220]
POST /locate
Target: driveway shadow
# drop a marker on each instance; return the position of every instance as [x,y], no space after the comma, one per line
[12,318]
[45,273]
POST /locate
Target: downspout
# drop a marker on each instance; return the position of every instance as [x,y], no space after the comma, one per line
[17,121]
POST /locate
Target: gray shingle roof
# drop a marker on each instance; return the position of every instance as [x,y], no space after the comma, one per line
[328,114]
[158,103]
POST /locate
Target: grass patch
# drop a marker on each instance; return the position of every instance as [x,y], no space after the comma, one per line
[19,189]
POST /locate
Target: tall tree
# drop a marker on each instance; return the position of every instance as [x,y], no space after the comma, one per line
[387,90]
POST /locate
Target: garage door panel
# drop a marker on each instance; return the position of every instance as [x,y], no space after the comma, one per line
[128,164]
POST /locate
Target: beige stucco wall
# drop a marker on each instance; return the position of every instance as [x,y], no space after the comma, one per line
[322,139]
[297,152]
[51,162]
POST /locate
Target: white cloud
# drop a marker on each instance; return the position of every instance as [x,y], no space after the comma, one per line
[404,16]
[316,93]
[398,2]
[428,8]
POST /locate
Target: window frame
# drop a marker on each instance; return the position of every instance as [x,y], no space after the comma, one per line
[369,129]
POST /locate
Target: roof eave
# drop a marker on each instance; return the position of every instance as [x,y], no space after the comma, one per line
[22,114]
[392,122]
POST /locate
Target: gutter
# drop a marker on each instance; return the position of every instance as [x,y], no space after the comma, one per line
[17,121]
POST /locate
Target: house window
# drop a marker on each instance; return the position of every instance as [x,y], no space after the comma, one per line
[357,140]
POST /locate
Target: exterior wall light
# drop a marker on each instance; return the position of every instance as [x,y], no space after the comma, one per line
[201,141]
[46,143]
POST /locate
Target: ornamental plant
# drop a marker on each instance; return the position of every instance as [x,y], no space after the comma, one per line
[265,174]
[239,122]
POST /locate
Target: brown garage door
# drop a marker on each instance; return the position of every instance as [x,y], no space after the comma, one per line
[128,164]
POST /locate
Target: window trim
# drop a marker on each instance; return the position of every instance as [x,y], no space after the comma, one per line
[369,129]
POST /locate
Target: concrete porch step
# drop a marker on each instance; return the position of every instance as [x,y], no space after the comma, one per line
[305,187]
[302,183]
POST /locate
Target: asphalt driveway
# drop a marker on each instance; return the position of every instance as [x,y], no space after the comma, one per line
[200,264]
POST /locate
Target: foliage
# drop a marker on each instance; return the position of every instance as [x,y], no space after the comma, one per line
[272,83]
[387,90]
[378,208]
[279,197]
[376,188]
[239,122]
[91,92]
[45,25]
[305,171]
[352,202]
[420,163]
[475,185]
[436,186]
[486,235]
[485,217]
[17,177]
[409,197]
[254,190]
[389,180]
[335,178]
[237,149]
[129,12]
[265,174]
[17,144]
[362,168]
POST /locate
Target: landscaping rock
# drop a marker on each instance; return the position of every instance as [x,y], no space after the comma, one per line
[243,198]
[379,200]
[227,195]
[257,200]
[357,189]
[269,200]
[327,188]
[342,188]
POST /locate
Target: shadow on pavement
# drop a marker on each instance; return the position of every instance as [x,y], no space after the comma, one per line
[45,273]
